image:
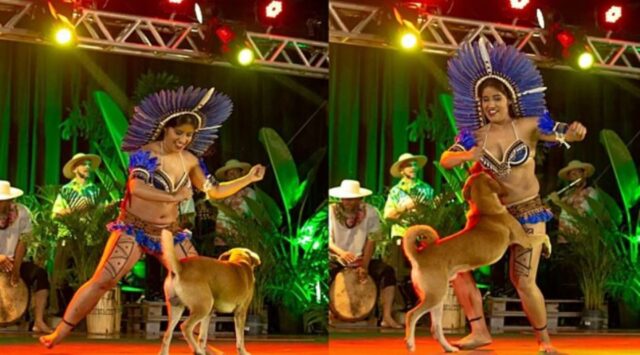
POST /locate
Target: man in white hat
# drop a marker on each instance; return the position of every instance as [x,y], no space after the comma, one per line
[76,195]
[408,193]
[352,226]
[80,192]
[232,169]
[15,225]
[577,197]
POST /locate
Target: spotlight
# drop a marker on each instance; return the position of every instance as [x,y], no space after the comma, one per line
[175,2]
[245,57]
[408,40]
[540,17]
[519,4]
[613,14]
[198,12]
[273,9]
[585,60]
[64,35]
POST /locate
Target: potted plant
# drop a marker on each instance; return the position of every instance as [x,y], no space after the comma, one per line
[591,251]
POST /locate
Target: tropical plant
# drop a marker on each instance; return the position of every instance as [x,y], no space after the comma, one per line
[293,249]
[599,253]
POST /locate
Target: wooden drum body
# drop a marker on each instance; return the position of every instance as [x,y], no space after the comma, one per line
[13,299]
[350,299]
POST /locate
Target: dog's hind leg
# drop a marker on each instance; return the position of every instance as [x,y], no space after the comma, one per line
[239,319]
[204,331]
[198,312]
[411,320]
[436,328]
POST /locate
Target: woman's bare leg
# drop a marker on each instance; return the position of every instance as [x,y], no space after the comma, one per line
[470,299]
[119,256]
[523,268]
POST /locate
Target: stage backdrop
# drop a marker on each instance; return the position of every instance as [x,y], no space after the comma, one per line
[39,85]
[376,93]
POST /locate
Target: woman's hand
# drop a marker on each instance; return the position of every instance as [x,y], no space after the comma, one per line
[475,154]
[576,132]
[256,173]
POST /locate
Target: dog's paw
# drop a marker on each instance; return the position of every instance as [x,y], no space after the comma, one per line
[411,345]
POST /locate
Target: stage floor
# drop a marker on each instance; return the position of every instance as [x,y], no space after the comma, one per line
[391,342]
[11,344]
[371,342]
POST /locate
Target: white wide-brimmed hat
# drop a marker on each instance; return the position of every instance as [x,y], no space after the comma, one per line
[232,164]
[576,164]
[67,170]
[7,192]
[404,158]
[349,189]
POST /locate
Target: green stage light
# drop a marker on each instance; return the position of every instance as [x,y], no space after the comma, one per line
[245,57]
[585,60]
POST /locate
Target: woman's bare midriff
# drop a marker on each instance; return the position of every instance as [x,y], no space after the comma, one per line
[160,213]
[521,184]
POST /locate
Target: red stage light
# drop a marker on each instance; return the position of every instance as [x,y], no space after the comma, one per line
[565,38]
[176,2]
[613,14]
[225,34]
[519,4]
[273,9]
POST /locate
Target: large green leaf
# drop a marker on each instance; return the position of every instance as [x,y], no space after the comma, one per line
[623,167]
[270,206]
[116,122]
[284,168]
[446,102]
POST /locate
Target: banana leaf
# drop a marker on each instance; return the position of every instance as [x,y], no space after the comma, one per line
[627,178]
[284,168]
[116,123]
[270,207]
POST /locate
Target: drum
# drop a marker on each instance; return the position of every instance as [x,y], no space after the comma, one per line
[104,320]
[350,299]
[453,315]
[13,300]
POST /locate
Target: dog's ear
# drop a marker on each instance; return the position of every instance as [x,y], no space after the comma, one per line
[255,258]
[225,256]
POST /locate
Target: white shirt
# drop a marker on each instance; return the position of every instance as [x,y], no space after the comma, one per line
[9,237]
[353,239]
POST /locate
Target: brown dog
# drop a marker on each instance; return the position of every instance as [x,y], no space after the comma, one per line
[490,229]
[203,285]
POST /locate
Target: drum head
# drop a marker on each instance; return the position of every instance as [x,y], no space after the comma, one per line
[13,299]
[350,299]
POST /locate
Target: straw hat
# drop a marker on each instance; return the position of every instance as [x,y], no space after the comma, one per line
[349,189]
[7,192]
[404,158]
[67,170]
[232,164]
[575,164]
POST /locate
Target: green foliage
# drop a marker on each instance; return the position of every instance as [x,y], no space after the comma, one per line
[444,213]
[600,253]
[43,238]
[295,263]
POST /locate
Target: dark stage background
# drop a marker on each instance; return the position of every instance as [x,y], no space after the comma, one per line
[39,85]
[375,93]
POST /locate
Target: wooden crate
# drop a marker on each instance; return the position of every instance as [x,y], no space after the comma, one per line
[151,319]
[506,314]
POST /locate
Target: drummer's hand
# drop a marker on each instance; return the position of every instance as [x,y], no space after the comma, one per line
[15,277]
[362,274]
[349,257]
[6,263]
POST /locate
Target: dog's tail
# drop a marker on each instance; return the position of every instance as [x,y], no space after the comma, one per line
[169,253]
[427,237]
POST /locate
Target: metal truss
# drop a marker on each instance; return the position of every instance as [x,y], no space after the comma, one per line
[167,39]
[362,25]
